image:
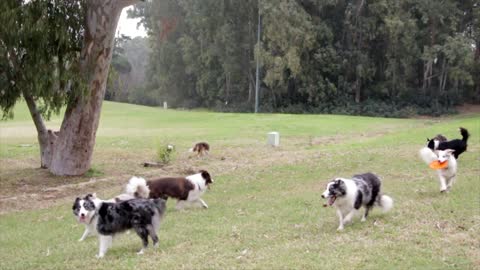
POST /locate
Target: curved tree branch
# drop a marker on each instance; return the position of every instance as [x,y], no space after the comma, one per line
[36,116]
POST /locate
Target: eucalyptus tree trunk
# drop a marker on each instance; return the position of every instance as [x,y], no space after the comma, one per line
[73,148]
[46,138]
[427,75]
[442,80]
[358,90]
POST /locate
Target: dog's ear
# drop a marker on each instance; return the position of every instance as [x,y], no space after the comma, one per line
[75,203]
[206,176]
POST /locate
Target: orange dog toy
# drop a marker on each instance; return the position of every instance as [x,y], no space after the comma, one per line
[436,165]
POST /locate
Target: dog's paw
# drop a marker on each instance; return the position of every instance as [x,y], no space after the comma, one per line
[339,229]
[81,239]
[99,256]
[363,219]
[140,252]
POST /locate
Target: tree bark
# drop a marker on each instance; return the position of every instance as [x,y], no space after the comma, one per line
[72,153]
[251,86]
[443,76]
[46,138]
[357,90]
[227,87]
[427,74]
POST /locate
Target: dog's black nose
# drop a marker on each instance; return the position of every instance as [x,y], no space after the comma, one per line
[82,215]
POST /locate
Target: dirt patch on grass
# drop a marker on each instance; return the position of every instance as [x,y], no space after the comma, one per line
[23,186]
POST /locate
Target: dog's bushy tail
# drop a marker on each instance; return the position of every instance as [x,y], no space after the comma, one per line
[386,203]
[137,187]
[464,133]
[427,155]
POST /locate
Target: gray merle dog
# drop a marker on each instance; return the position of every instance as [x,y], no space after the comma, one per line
[348,195]
[84,210]
[141,215]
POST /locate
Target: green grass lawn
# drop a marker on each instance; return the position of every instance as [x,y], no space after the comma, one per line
[265,206]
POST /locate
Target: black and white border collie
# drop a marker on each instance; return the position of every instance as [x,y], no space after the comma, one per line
[447,175]
[185,189]
[348,195]
[458,145]
[435,141]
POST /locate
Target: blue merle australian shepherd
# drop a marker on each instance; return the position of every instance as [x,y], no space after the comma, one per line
[348,195]
[141,215]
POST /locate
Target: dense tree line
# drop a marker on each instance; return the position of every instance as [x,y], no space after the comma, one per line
[383,57]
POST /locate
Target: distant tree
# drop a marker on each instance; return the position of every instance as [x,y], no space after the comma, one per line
[119,73]
[56,53]
[137,51]
[197,58]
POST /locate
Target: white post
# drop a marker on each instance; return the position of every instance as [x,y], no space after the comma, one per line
[273,138]
[165,105]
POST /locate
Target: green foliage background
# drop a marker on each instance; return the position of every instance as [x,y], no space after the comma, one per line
[40,44]
[384,57]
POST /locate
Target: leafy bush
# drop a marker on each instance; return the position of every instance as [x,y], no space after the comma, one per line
[165,153]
